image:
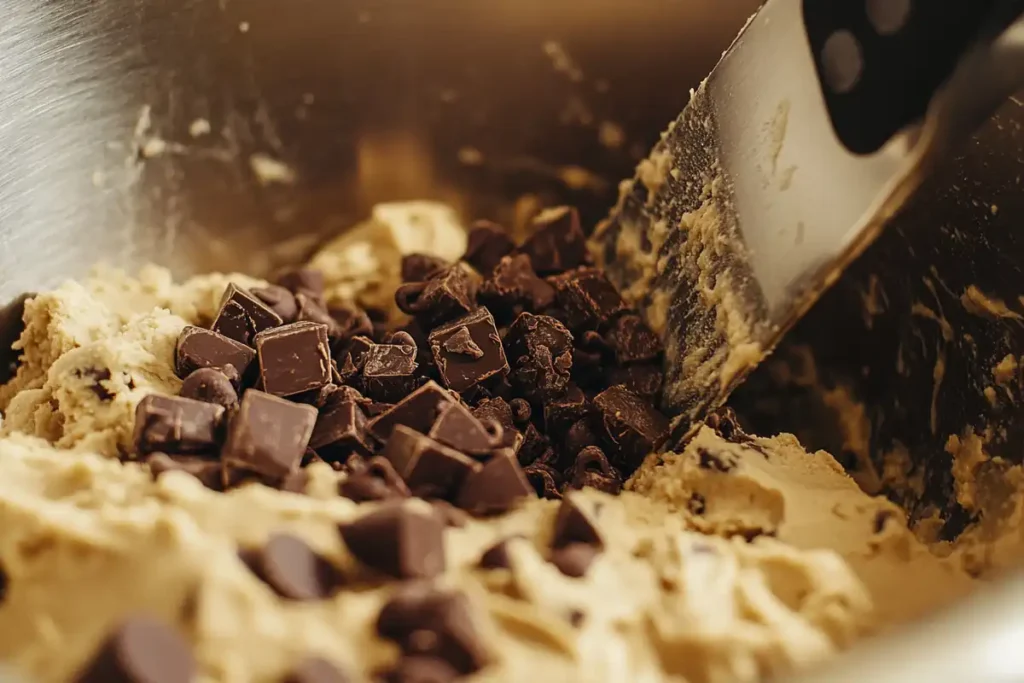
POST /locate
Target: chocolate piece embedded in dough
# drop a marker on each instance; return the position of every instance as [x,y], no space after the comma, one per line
[420,669]
[242,316]
[468,351]
[206,470]
[574,524]
[176,425]
[574,559]
[294,358]
[141,650]
[268,435]
[486,244]
[200,348]
[398,540]
[291,568]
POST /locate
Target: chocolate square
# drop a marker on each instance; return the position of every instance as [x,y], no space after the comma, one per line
[588,298]
[268,435]
[558,242]
[294,358]
[417,411]
[447,294]
[486,244]
[389,372]
[242,315]
[468,351]
[340,431]
[429,468]
[631,424]
[495,488]
[514,287]
[176,425]
[200,348]
[460,429]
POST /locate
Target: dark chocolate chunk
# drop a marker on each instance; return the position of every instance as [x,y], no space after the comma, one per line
[357,348]
[631,424]
[207,471]
[495,488]
[727,425]
[588,298]
[377,480]
[292,569]
[429,468]
[500,412]
[340,431]
[400,338]
[311,310]
[574,559]
[141,650]
[514,287]
[557,243]
[444,296]
[633,341]
[268,435]
[521,411]
[496,557]
[540,351]
[418,411]
[449,514]
[389,372]
[352,322]
[176,425]
[308,281]
[573,524]
[420,670]
[209,385]
[465,366]
[544,480]
[593,469]
[580,435]
[398,540]
[697,504]
[242,316]
[459,428]
[644,380]
[562,412]
[534,445]
[420,267]
[487,243]
[279,300]
[316,670]
[199,348]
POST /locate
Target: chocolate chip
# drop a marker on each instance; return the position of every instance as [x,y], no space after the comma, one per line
[643,380]
[573,524]
[210,386]
[389,372]
[459,428]
[588,298]
[514,287]
[444,296]
[540,351]
[198,348]
[697,504]
[500,412]
[574,559]
[377,481]
[486,244]
[707,460]
[340,431]
[308,281]
[291,568]
[562,412]
[294,358]
[418,411]
[141,650]
[727,425]
[633,340]
[631,424]
[176,425]
[557,242]
[881,517]
[420,670]
[420,267]
[279,300]
[580,435]
[207,471]
[463,367]
[97,377]
[521,411]
[593,469]
[268,435]
[576,618]
[316,670]
[450,515]
[496,557]
[398,540]
[429,468]
[242,316]
[495,488]
[544,480]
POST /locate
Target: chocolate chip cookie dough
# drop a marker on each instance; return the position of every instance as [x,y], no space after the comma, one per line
[236,480]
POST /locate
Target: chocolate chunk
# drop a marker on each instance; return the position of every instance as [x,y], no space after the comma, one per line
[486,245]
[421,670]
[514,287]
[500,412]
[562,412]
[580,435]
[389,372]
[574,559]
[439,623]
[727,425]
[593,469]
[268,435]
[496,557]
[292,569]
[141,650]
[340,431]
[176,425]
[588,298]
[311,310]
[534,445]
[207,471]
[521,411]
[420,267]
[718,462]
[495,488]
[323,396]
[465,367]
[450,515]
[377,481]
[459,428]
[309,281]
[633,341]
[643,380]
[209,385]
[697,504]
[358,347]
[573,524]
[279,300]
[429,468]
[352,322]
[631,424]
[444,296]
[557,243]
[242,316]
[418,411]
[540,351]
[316,670]
[544,480]
[398,540]
[199,348]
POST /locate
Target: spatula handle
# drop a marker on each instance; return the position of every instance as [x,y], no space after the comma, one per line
[880,62]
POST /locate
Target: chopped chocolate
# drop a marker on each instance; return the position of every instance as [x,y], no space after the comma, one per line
[340,431]
[209,385]
[521,411]
[294,358]
[644,380]
[420,267]
[398,540]
[534,445]
[459,428]
[697,504]
[389,372]
[316,670]
[487,243]
[420,670]
[557,243]
[514,287]
[321,396]
[378,480]
[358,347]
[495,488]
[573,524]
[588,298]
[141,650]
[292,568]
[418,411]
[540,351]
[311,310]
[429,468]
[400,338]
[727,425]
[718,462]
[207,471]
[496,557]
[268,435]
[574,559]
[463,365]
[544,480]
[633,341]
[199,348]
[449,514]
[445,295]
[631,424]
[593,469]
[242,316]
[580,435]
[176,425]
[562,412]
[309,281]
[352,322]
[500,412]
[279,300]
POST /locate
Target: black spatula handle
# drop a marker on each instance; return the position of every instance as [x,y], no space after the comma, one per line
[880,62]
